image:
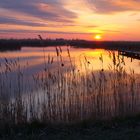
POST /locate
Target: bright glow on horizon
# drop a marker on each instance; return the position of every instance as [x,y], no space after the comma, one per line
[98,37]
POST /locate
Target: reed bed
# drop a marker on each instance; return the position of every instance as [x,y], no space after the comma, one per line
[67,94]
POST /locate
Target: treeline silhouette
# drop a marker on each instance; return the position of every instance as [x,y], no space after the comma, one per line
[17,44]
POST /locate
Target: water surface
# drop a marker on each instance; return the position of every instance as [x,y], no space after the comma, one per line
[82,83]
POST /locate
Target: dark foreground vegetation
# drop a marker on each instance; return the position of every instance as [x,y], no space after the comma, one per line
[16,44]
[118,129]
[90,98]
[70,97]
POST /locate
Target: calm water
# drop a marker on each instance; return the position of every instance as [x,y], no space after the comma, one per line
[31,62]
[33,58]
[25,68]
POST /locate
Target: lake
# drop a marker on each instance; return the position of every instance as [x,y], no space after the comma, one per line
[35,58]
[67,84]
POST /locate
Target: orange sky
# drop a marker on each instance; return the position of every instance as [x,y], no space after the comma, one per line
[82,19]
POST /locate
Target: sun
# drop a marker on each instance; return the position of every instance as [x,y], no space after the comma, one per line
[98,37]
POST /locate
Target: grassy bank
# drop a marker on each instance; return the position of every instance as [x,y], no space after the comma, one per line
[117,129]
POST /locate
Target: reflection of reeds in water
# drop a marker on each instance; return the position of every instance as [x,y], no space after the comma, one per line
[68,94]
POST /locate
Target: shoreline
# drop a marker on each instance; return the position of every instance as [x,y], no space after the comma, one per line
[17,44]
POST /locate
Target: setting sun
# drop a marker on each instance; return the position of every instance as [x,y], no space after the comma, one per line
[98,37]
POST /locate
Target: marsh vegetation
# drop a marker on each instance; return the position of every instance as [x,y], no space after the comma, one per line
[68,89]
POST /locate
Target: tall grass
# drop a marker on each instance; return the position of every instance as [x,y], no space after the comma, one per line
[68,94]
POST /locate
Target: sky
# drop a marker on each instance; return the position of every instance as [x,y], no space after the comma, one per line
[70,19]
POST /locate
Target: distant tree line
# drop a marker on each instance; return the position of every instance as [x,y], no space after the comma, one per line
[16,44]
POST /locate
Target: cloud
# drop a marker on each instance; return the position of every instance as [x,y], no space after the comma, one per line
[134,14]
[6,20]
[108,30]
[46,31]
[112,6]
[50,10]
[91,26]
